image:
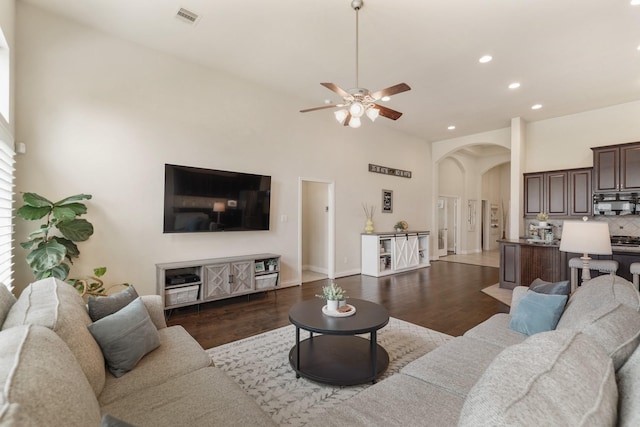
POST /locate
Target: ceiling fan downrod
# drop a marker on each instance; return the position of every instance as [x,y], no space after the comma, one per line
[357,5]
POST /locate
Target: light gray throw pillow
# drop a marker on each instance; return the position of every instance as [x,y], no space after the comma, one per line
[6,302]
[569,382]
[125,337]
[101,306]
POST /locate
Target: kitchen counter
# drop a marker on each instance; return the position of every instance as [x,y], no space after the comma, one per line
[522,261]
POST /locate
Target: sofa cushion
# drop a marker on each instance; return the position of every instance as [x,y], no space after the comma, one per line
[399,400]
[628,378]
[537,313]
[102,306]
[616,327]
[495,330]
[455,366]
[570,381]
[596,292]
[56,305]
[552,288]
[42,381]
[125,337]
[206,397]
[6,302]
[158,366]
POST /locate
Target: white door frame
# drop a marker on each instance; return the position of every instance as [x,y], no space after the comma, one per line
[457,215]
[331,226]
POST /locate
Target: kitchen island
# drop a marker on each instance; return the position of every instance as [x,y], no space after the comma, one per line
[522,261]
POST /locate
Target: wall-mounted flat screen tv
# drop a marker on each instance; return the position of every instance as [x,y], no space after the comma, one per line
[202,200]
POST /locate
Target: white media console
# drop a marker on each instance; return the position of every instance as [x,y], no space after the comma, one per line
[389,253]
[194,282]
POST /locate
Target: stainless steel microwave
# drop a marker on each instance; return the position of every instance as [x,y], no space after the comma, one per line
[616,204]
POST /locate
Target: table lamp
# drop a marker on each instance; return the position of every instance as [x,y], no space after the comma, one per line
[218,207]
[586,238]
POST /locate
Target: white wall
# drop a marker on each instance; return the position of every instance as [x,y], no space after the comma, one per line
[565,142]
[100,115]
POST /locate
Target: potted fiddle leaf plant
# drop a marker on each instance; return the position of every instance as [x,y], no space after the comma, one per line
[335,296]
[52,246]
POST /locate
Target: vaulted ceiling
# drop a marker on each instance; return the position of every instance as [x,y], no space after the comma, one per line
[569,56]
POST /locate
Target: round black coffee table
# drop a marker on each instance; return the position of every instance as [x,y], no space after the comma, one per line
[338,356]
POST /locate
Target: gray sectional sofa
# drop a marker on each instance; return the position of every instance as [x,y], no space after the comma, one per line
[53,373]
[586,372]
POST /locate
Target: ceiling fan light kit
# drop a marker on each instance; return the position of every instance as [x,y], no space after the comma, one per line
[359,101]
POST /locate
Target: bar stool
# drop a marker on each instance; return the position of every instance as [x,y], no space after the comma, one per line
[635,270]
[602,265]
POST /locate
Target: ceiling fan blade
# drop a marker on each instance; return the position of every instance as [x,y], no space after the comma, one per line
[347,120]
[388,112]
[331,86]
[399,88]
[321,108]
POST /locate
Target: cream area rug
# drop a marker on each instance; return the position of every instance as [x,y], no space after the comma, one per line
[501,294]
[260,365]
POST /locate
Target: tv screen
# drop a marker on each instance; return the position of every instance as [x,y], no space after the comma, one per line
[203,200]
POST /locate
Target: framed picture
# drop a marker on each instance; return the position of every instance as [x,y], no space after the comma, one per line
[387,201]
[259,266]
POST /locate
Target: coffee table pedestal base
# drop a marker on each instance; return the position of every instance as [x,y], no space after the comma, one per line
[338,359]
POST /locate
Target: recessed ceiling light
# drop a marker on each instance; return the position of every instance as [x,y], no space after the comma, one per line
[452,127]
[635,2]
[536,106]
[385,98]
[514,85]
[485,59]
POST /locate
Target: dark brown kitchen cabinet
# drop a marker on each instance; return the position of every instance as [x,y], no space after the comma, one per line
[616,168]
[546,192]
[580,192]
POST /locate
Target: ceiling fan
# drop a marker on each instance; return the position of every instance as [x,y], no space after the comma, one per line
[360,101]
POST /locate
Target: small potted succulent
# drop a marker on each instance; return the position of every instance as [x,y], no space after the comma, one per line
[401,226]
[272,263]
[335,296]
[542,219]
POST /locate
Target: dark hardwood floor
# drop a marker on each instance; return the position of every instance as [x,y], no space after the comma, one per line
[445,297]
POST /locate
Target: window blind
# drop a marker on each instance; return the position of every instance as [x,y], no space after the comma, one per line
[7,160]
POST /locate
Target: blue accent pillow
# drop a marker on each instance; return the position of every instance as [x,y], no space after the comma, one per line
[125,337]
[558,288]
[537,313]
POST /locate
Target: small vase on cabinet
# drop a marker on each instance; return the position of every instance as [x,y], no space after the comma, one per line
[368,228]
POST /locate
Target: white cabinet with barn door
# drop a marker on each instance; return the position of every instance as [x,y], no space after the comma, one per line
[389,253]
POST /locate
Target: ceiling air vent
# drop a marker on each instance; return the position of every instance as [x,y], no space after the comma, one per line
[187,16]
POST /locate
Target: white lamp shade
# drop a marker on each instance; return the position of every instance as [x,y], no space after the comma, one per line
[218,207]
[356,109]
[586,237]
[341,115]
[355,122]
[373,113]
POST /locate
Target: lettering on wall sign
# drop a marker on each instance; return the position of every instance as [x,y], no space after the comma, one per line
[389,171]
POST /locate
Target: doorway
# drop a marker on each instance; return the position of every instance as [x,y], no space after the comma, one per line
[447,225]
[316,231]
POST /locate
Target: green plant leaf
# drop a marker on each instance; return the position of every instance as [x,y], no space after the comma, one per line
[36,200]
[75,198]
[100,271]
[69,211]
[59,271]
[76,230]
[31,213]
[72,248]
[30,244]
[46,256]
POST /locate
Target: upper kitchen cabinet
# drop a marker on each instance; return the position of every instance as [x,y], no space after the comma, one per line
[546,192]
[560,194]
[616,168]
[580,192]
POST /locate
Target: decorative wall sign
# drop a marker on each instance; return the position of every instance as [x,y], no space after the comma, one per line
[389,171]
[387,201]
